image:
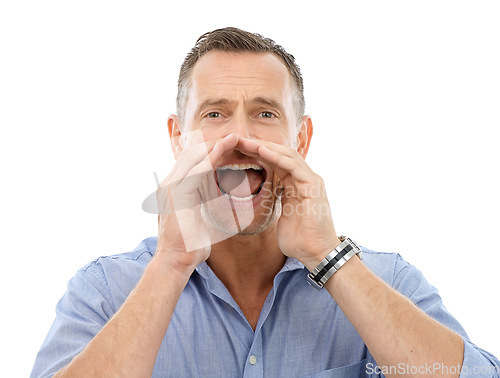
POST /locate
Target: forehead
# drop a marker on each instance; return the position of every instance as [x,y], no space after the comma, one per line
[231,74]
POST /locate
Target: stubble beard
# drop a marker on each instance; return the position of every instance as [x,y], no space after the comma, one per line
[226,225]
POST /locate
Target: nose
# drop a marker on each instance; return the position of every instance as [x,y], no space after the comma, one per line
[240,125]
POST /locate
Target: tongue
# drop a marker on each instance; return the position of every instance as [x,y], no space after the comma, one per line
[236,184]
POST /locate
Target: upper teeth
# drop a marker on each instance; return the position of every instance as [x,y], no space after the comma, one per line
[240,167]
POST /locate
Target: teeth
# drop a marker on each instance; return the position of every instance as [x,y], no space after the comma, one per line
[240,167]
[229,196]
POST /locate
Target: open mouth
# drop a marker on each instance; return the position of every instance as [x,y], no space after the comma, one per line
[240,182]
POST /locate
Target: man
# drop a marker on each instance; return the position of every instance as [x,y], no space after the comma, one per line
[242,221]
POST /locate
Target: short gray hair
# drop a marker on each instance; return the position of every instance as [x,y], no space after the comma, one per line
[236,40]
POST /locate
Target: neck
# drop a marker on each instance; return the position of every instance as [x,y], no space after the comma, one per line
[247,263]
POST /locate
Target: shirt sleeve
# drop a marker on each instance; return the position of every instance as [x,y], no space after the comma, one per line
[410,282]
[80,314]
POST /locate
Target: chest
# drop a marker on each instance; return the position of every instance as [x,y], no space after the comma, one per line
[292,333]
[251,308]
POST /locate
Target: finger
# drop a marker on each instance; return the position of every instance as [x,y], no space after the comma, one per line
[204,168]
[284,160]
[194,143]
[281,173]
[283,166]
[193,178]
[185,140]
[195,154]
[177,192]
[252,145]
[182,194]
[190,156]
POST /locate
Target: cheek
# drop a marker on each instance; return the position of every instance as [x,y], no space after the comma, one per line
[279,136]
[207,134]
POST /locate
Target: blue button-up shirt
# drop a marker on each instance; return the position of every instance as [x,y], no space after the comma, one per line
[300,331]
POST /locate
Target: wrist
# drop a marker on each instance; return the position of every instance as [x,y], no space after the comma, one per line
[173,263]
[313,259]
[334,261]
[341,281]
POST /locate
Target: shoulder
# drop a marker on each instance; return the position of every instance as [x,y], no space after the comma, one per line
[118,274]
[136,259]
[399,274]
[387,265]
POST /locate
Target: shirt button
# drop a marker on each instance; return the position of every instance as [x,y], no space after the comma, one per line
[252,360]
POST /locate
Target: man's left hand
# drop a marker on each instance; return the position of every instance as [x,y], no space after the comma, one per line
[305,228]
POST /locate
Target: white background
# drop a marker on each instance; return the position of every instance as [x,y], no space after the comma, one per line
[404,98]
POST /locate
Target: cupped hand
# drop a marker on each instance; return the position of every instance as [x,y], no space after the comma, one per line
[305,228]
[182,232]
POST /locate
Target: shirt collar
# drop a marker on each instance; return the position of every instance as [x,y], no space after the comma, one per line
[290,264]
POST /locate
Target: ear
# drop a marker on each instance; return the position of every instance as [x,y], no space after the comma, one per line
[304,136]
[175,133]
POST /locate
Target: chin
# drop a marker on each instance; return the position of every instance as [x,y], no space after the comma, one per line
[240,198]
[240,220]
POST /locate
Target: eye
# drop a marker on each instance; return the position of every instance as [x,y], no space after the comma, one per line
[213,115]
[267,115]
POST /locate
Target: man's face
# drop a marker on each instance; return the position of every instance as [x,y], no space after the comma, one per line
[248,94]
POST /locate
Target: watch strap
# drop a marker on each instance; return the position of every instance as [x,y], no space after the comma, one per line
[333,262]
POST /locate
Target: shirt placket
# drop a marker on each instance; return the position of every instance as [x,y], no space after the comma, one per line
[254,364]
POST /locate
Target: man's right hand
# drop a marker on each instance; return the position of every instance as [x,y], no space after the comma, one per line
[182,232]
[137,329]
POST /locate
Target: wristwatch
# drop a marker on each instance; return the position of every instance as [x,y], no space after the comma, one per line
[331,263]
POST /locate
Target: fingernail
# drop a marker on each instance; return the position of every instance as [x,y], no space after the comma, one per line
[250,140]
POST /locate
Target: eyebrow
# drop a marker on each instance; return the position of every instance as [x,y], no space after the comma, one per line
[256,100]
[269,102]
[209,103]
